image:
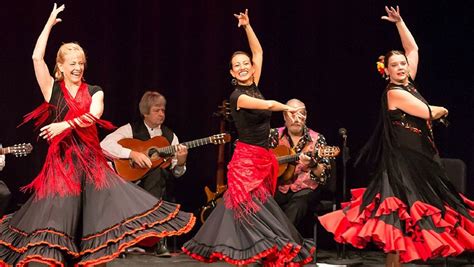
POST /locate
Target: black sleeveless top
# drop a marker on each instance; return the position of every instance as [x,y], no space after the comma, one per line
[58,101]
[253,125]
[411,132]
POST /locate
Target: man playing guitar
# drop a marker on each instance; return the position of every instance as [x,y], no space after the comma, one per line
[152,108]
[297,192]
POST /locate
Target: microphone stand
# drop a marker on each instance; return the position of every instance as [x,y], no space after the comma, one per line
[342,260]
[345,158]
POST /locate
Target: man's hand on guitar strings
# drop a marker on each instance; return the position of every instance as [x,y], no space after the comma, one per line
[181,154]
[140,159]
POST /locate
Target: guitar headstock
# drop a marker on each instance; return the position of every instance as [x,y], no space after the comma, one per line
[221,138]
[223,110]
[20,150]
[328,151]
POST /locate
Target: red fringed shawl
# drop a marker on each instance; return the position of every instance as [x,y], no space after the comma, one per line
[73,154]
[252,172]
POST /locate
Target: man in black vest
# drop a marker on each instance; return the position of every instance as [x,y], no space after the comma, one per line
[152,108]
[4,192]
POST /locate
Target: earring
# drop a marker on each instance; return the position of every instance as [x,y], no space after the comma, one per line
[233,81]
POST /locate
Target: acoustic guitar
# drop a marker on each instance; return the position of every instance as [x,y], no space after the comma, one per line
[287,157]
[19,150]
[159,151]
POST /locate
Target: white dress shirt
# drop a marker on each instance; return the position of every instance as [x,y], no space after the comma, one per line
[113,149]
[2,160]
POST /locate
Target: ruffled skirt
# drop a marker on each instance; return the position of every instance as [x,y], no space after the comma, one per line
[418,214]
[92,228]
[267,236]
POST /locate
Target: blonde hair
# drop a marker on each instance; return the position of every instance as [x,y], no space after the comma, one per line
[150,99]
[65,49]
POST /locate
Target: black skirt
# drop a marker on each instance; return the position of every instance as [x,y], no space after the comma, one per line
[266,235]
[91,228]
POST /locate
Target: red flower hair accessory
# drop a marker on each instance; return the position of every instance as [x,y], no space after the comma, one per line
[381,67]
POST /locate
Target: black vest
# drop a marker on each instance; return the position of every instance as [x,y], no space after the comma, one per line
[157,182]
[140,131]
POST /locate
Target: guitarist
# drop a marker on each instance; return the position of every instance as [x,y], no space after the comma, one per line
[152,109]
[4,192]
[296,193]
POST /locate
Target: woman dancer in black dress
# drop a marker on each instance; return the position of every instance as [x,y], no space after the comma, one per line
[410,209]
[80,212]
[249,225]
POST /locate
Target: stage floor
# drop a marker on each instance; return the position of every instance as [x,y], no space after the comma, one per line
[366,258]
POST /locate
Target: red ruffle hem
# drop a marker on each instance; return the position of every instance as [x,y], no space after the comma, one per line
[271,257]
[453,233]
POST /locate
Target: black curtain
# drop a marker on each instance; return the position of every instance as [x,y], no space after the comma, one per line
[322,52]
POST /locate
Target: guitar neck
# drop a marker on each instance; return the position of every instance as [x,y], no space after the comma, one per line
[169,150]
[4,151]
[290,158]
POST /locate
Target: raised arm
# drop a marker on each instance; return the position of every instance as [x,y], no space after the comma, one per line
[44,78]
[408,42]
[255,47]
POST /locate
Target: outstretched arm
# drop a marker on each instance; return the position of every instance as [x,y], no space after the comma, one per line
[408,42]
[248,102]
[43,76]
[255,47]
[400,99]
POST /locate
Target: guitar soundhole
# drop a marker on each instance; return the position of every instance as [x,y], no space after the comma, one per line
[153,154]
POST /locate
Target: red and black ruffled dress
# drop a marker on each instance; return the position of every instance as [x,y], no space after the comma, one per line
[81,212]
[249,226]
[409,206]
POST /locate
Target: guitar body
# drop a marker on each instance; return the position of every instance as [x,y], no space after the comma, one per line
[210,195]
[131,172]
[285,170]
[212,199]
[287,158]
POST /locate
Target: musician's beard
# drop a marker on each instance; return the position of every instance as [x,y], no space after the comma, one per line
[296,130]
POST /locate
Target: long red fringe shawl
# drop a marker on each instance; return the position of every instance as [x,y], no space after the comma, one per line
[74,152]
[252,172]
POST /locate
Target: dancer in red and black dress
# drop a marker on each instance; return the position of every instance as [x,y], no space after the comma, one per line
[80,212]
[249,225]
[410,209]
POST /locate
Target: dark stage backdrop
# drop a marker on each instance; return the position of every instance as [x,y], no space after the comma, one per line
[322,52]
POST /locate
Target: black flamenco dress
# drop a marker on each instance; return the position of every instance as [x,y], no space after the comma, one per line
[249,226]
[81,213]
[410,206]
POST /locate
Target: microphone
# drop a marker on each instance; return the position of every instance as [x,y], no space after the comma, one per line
[343,133]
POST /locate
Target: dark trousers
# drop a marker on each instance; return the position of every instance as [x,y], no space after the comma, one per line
[4,197]
[297,204]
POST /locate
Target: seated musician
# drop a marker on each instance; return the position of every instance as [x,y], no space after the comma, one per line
[152,108]
[4,192]
[296,193]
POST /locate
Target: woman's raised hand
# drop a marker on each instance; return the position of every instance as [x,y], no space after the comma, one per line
[243,18]
[53,17]
[295,114]
[393,15]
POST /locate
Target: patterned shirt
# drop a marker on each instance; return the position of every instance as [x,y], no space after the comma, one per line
[310,141]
